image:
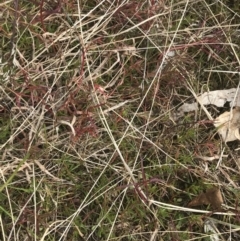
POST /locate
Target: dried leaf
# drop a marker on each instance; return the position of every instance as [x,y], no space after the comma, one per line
[228,125]
[211,197]
[216,97]
[220,97]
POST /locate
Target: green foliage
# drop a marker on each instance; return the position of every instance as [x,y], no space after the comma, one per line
[5,131]
[89,146]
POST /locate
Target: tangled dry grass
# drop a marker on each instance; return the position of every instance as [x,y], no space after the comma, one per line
[89,146]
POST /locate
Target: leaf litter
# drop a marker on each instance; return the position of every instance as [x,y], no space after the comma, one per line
[227,123]
[212,197]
